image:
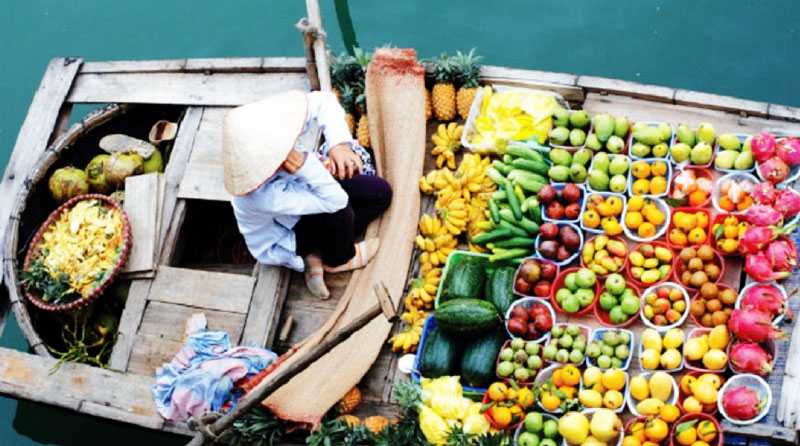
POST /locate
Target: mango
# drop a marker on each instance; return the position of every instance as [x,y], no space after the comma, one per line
[663,254]
[639,388]
[577,137]
[650,406]
[719,337]
[609,264]
[588,252]
[558,173]
[621,126]
[663,271]
[671,359]
[704,392]
[650,263]
[638,126]
[637,272]
[650,359]
[590,398]
[582,156]
[661,386]
[650,276]
[706,133]
[598,269]
[616,248]
[579,119]
[603,126]
[673,339]
[636,258]
[729,142]
[559,135]
[715,359]
[686,135]
[601,241]
[593,143]
[744,161]
[651,340]
[665,130]
[615,144]
[648,135]
[560,157]
[561,117]
[696,348]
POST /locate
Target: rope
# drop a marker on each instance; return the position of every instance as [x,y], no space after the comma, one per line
[306,28]
[205,429]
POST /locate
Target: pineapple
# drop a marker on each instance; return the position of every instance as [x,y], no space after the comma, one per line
[469,78]
[348,104]
[443,95]
[345,70]
[376,423]
[362,132]
[428,111]
[351,420]
[350,401]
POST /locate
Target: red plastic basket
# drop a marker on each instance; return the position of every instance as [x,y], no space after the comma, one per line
[635,281]
[559,283]
[109,278]
[682,396]
[677,276]
[719,440]
[644,419]
[691,210]
[699,172]
[621,269]
[602,315]
[697,296]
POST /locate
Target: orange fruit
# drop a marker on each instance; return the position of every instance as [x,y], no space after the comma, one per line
[646,230]
[570,375]
[630,440]
[656,430]
[633,219]
[525,397]
[558,379]
[670,413]
[702,219]
[697,198]
[706,431]
[549,401]
[744,204]
[591,219]
[616,205]
[501,416]
[658,168]
[677,237]
[726,203]
[497,391]
[637,430]
[569,391]
[697,236]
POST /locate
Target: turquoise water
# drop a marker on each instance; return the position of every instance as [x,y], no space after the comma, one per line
[747,49]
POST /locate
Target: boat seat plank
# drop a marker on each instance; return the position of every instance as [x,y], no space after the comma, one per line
[204,181]
[208,142]
[202,289]
[263,64]
[168,321]
[266,306]
[129,324]
[150,352]
[222,89]
[141,205]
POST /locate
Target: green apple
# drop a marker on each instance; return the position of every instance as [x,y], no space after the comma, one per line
[550,430]
[618,183]
[571,281]
[607,301]
[615,284]
[570,304]
[527,439]
[640,150]
[619,165]
[680,152]
[585,296]
[617,316]
[586,278]
[533,422]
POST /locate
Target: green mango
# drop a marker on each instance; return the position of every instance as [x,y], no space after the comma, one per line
[577,173]
[706,133]
[598,180]
[638,126]
[666,131]
[593,143]
[746,145]
[680,152]
[619,165]
[701,153]
[603,126]
[729,142]
[579,119]
[559,135]
[686,135]
[560,117]
[560,157]
[648,135]
[725,159]
[615,144]
[582,157]
[601,162]
[558,173]
[744,160]
[621,126]
[641,150]
[577,137]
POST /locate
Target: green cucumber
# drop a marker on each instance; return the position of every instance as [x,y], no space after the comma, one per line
[508,159]
[525,153]
[500,287]
[516,242]
[502,167]
[537,167]
[530,226]
[478,360]
[440,355]
[499,195]
[513,199]
[466,317]
[494,211]
[516,231]
[493,236]
[534,209]
[528,176]
[496,176]
[465,279]
[508,254]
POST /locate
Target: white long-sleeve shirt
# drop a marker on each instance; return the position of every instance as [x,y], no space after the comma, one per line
[266,217]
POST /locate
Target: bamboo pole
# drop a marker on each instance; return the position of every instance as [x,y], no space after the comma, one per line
[315,20]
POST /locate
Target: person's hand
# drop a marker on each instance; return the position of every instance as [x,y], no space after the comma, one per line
[344,162]
[294,161]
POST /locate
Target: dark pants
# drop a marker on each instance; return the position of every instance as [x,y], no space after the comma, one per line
[333,235]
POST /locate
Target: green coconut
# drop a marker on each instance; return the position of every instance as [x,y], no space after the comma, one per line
[155,163]
[97,178]
[118,196]
[67,182]
[122,165]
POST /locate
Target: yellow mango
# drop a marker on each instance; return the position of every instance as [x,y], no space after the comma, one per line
[661,386]
[650,406]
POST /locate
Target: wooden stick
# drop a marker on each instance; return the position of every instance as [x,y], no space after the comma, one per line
[315,20]
[220,425]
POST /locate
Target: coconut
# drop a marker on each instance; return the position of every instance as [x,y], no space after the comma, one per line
[122,165]
[67,182]
[155,163]
[118,196]
[97,178]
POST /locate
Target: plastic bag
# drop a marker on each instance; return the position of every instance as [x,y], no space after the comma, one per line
[514,115]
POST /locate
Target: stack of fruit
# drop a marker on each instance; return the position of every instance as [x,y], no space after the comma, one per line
[569,128]
[604,428]
[732,155]
[610,349]
[694,185]
[665,305]
[504,404]
[651,430]
[618,304]
[567,344]
[728,232]
[603,210]
[539,430]
[696,148]
[535,277]
[713,305]
[650,140]
[575,291]
[773,207]
[707,346]
[695,431]
[529,319]
[733,193]
[657,352]
[559,242]
[519,360]
[604,255]
[646,216]
[695,266]
[603,388]
[609,173]
[569,167]
[699,392]
[558,388]
[561,203]
[650,263]
[776,161]
[648,177]
[688,226]
[608,133]
[649,392]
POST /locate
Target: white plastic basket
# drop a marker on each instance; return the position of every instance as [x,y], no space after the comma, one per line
[665,328]
[673,399]
[751,381]
[715,195]
[650,161]
[738,304]
[668,141]
[660,231]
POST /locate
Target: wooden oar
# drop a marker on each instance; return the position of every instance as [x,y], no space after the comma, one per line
[212,431]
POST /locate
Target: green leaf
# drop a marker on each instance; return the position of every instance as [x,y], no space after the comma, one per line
[676,202]
[719,231]
[685,425]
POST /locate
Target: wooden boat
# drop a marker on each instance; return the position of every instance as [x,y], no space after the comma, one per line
[252,302]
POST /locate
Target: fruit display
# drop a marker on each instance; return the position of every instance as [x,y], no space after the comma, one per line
[770,255]
[535,277]
[445,403]
[661,353]
[618,303]
[694,147]
[688,226]
[664,306]
[567,344]
[768,297]
[530,318]
[569,167]
[569,128]
[574,291]
[603,388]
[692,429]
[608,173]
[753,325]
[560,242]
[706,349]
[697,265]
[650,263]
[712,305]
[504,404]
[733,193]
[649,177]
[557,388]
[773,207]
[699,392]
[645,218]
[733,153]
[776,160]
[693,185]
[602,213]
[608,133]
[649,392]
[610,349]
[538,429]
[603,255]
[650,430]
[650,140]
[727,230]
[561,203]
[519,360]
[745,399]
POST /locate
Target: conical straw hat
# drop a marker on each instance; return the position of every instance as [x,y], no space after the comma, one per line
[257,138]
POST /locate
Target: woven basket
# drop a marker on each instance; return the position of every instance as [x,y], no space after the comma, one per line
[33,252]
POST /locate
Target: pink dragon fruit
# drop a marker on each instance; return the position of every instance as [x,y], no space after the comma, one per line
[787,202]
[742,403]
[753,325]
[749,357]
[764,297]
[764,193]
[782,254]
[789,151]
[774,170]
[756,238]
[764,215]
[759,268]
[763,146]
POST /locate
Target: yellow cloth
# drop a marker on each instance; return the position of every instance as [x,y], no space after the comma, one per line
[514,115]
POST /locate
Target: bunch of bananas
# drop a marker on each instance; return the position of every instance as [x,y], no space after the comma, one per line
[423,289]
[435,242]
[439,181]
[452,210]
[446,142]
[471,175]
[408,339]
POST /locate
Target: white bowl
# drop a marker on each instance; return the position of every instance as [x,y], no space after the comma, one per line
[665,328]
[599,229]
[569,259]
[528,303]
[624,392]
[715,195]
[738,304]
[660,231]
[754,382]
[673,398]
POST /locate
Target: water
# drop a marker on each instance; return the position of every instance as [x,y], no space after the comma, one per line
[747,49]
